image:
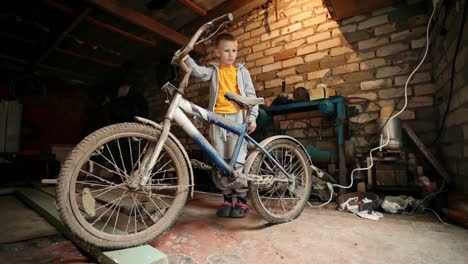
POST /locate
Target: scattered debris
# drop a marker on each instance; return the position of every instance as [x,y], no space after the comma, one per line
[398,204]
[361,204]
[371,215]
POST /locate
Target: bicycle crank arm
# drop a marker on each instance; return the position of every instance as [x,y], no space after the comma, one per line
[196,164]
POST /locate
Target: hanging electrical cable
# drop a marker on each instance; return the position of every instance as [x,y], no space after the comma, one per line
[387,139]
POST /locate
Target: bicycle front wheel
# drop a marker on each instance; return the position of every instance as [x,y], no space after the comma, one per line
[98,199]
[281,202]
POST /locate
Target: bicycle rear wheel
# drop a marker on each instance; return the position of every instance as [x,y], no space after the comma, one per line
[281,202]
[97,199]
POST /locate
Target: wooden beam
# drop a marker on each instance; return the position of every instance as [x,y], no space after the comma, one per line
[117,8]
[18,38]
[194,7]
[238,8]
[62,36]
[103,25]
[66,52]
[86,58]
[44,204]
[50,68]
[430,157]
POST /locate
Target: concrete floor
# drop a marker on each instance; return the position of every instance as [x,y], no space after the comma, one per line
[18,222]
[317,236]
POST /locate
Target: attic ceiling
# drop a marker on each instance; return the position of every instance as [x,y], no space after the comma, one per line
[87,39]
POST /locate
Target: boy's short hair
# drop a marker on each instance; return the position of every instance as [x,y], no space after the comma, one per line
[224,36]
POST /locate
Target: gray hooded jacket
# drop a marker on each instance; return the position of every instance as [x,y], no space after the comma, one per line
[244,82]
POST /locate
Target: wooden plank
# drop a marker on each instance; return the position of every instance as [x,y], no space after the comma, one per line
[103,25]
[44,204]
[340,9]
[194,7]
[91,79]
[62,36]
[142,254]
[238,8]
[66,52]
[86,58]
[435,163]
[117,8]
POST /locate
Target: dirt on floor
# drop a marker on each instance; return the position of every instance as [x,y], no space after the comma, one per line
[317,236]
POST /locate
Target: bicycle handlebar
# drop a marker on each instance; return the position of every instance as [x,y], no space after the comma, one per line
[222,19]
[213,24]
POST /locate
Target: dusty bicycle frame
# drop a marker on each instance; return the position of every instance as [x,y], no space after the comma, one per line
[177,112]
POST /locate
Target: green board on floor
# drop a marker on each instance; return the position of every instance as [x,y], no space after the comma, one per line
[44,204]
[141,254]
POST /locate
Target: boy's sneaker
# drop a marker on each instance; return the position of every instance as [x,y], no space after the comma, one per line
[225,210]
[239,211]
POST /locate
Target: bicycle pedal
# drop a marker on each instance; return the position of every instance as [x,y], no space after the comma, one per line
[260,180]
[196,164]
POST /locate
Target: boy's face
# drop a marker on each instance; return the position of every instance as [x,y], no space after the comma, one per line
[226,51]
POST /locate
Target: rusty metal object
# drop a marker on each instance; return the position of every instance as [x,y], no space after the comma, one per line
[300,94]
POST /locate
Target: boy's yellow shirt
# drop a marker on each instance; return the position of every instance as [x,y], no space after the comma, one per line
[227,83]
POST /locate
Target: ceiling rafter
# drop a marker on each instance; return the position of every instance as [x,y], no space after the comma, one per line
[137,18]
[87,58]
[63,35]
[50,68]
[66,52]
[238,8]
[194,7]
[101,24]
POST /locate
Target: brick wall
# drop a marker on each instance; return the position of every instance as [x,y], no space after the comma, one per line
[369,55]
[453,145]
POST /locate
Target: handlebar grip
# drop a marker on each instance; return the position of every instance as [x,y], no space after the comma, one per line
[222,19]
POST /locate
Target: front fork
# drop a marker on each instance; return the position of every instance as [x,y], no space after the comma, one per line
[142,175]
[151,156]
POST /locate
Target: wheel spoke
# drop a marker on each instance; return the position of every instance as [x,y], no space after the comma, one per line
[112,213]
[92,183]
[141,154]
[116,220]
[138,210]
[162,167]
[113,162]
[97,177]
[104,167]
[99,181]
[281,199]
[113,187]
[121,156]
[131,154]
[111,202]
[157,197]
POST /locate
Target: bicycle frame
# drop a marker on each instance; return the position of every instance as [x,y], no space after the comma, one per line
[178,111]
[239,129]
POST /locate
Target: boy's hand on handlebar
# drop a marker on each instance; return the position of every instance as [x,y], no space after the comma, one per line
[252,127]
[183,59]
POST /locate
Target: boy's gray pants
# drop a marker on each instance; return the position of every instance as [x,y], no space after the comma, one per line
[224,143]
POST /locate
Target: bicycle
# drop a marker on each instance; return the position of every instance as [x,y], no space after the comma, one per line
[125,184]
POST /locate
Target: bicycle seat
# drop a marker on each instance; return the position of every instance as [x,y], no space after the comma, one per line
[244,102]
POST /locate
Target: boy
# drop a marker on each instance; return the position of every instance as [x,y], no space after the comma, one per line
[227,77]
